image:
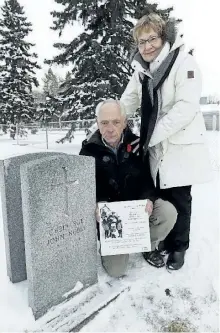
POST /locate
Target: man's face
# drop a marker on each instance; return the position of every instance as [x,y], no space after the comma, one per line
[149,45]
[111,123]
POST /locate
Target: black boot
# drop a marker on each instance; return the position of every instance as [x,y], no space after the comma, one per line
[154,258]
[175,260]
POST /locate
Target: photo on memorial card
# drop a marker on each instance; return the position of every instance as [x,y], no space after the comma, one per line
[111,223]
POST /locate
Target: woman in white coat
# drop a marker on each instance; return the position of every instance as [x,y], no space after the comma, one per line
[166,85]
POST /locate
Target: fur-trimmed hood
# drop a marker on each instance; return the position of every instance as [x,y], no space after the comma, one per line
[170,32]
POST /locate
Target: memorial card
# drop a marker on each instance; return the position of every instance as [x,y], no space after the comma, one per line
[124,227]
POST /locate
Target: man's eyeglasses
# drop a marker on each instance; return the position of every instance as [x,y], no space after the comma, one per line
[152,41]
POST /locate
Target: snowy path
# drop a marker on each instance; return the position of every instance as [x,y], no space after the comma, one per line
[185,300]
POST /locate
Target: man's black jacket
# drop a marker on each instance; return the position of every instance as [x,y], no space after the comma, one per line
[122,176]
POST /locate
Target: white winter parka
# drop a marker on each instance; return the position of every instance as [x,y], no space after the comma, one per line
[177,146]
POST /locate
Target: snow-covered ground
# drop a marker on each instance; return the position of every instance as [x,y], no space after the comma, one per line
[156,300]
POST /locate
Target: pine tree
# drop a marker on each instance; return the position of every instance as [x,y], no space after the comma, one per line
[17,65]
[51,84]
[47,110]
[100,55]
[64,101]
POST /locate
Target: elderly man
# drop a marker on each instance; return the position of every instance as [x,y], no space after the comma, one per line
[121,176]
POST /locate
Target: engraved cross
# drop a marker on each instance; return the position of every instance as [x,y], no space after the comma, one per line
[66,184]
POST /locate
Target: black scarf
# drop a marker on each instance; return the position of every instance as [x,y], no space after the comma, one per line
[149,103]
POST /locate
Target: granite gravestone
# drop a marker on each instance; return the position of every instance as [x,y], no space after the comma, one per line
[10,183]
[58,198]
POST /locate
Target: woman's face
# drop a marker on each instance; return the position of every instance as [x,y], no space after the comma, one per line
[149,45]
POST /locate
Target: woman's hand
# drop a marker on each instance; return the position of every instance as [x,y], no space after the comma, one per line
[149,207]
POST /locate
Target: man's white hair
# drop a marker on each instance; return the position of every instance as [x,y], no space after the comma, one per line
[111,100]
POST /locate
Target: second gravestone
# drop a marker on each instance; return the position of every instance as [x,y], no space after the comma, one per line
[10,184]
[58,199]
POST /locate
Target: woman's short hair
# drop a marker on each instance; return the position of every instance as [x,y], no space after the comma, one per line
[147,22]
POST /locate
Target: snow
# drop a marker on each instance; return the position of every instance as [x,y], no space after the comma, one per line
[37,142]
[77,288]
[156,300]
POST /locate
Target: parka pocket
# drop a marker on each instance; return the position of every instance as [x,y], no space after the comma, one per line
[186,139]
[193,133]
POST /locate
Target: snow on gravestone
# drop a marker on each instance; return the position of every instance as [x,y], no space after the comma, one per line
[58,198]
[10,183]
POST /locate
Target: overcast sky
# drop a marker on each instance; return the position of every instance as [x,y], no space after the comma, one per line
[200,27]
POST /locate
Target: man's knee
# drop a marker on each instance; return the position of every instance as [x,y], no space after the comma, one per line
[115,266]
[166,212]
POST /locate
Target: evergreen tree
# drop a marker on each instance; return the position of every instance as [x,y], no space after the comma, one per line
[51,84]
[47,109]
[50,109]
[38,96]
[64,100]
[17,65]
[100,55]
